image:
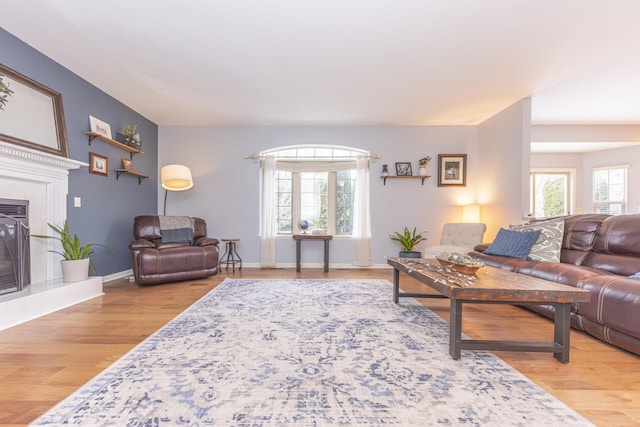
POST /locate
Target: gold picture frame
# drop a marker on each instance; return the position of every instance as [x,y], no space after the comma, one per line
[98,164]
[452,170]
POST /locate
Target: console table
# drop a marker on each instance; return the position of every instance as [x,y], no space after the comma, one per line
[325,238]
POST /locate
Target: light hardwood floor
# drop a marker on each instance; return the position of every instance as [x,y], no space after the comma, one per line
[44,360]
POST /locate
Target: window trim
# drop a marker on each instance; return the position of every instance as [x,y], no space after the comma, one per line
[571,208]
[625,198]
[345,160]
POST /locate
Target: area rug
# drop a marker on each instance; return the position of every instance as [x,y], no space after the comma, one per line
[312,353]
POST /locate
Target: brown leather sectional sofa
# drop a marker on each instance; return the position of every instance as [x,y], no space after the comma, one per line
[155,261]
[598,253]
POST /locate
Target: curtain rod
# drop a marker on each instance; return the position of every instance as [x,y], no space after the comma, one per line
[255,157]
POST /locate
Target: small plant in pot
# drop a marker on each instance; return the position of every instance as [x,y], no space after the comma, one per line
[408,239]
[77,258]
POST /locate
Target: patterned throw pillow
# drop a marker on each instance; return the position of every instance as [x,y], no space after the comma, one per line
[549,244]
[516,244]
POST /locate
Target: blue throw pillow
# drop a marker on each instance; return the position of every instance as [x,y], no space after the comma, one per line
[516,244]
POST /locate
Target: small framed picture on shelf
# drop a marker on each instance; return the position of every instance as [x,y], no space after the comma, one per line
[127,165]
[452,170]
[98,164]
[403,169]
[98,126]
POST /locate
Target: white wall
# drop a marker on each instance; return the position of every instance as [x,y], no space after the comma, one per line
[585,133]
[226,190]
[503,167]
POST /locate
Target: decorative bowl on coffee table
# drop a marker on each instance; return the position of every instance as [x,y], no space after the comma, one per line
[461,263]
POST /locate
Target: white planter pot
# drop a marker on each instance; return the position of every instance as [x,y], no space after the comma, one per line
[75,271]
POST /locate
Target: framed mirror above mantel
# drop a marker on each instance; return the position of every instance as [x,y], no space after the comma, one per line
[31,114]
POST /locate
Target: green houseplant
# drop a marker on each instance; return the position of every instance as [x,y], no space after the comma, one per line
[77,258]
[408,240]
[5,92]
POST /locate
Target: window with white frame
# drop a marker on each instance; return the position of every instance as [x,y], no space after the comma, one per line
[610,190]
[315,183]
[551,192]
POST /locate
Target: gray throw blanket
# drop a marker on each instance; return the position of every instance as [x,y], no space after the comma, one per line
[176,229]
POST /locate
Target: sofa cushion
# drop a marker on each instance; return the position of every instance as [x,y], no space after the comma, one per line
[580,231]
[516,244]
[618,234]
[549,244]
[615,302]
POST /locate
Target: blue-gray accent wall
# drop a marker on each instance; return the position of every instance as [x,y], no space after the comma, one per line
[108,205]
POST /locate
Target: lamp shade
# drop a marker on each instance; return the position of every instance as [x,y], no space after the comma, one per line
[471,213]
[176,178]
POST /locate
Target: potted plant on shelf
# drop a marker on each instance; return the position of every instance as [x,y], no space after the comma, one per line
[5,92]
[77,258]
[422,171]
[129,136]
[408,239]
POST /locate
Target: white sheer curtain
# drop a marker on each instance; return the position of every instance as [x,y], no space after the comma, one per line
[267,210]
[361,237]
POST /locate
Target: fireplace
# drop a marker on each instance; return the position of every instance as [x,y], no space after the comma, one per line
[37,182]
[15,266]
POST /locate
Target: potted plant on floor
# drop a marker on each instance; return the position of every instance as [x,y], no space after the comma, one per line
[408,239]
[77,258]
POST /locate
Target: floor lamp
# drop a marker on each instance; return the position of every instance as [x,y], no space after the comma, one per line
[175,178]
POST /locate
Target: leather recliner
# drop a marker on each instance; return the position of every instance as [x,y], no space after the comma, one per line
[155,261]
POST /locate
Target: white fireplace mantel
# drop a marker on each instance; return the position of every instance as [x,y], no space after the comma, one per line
[43,179]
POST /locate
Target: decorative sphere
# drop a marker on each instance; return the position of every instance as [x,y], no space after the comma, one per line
[303,224]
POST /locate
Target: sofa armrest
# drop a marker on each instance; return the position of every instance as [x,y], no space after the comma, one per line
[481,247]
[141,244]
[205,241]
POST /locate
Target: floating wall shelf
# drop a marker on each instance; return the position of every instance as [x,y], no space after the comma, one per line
[131,150]
[136,174]
[384,178]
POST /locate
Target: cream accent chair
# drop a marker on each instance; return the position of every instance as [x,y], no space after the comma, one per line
[459,237]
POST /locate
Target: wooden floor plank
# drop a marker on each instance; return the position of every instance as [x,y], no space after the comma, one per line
[46,359]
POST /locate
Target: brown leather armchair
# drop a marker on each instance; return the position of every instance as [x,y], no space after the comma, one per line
[155,261]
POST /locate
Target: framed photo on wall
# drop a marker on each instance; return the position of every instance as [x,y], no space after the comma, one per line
[403,169]
[98,164]
[127,165]
[452,170]
[98,126]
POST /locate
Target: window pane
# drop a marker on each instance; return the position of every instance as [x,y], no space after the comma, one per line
[284,201]
[550,194]
[345,184]
[610,191]
[314,198]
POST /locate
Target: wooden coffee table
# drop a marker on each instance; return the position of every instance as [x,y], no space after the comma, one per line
[491,286]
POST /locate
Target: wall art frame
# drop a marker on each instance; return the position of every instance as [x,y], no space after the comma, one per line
[98,126]
[33,116]
[452,170]
[98,164]
[127,165]
[403,169]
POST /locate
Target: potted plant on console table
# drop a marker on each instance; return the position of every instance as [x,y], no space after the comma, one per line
[77,258]
[408,239]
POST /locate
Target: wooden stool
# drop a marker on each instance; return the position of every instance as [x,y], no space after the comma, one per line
[231,255]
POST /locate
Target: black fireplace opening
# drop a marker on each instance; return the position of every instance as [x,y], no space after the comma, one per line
[15,265]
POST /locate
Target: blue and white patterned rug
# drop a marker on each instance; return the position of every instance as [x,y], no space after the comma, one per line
[312,353]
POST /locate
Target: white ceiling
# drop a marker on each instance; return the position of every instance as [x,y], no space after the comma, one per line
[346,62]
